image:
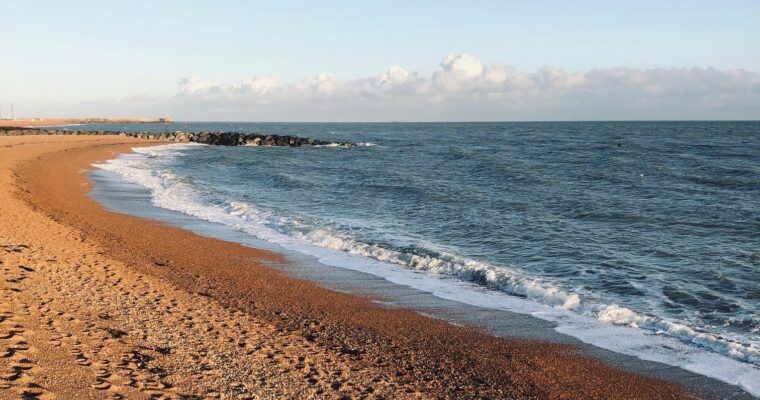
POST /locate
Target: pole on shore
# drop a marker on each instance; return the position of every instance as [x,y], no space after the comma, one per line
[12,115]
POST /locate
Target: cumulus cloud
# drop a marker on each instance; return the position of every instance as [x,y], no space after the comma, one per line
[459,73]
[194,85]
[462,87]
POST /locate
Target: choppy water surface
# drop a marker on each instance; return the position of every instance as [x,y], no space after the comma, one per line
[652,225]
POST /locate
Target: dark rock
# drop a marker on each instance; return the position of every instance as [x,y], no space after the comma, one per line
[115,333]
[211,138]
[350,351]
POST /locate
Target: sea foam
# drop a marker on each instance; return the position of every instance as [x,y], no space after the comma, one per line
[610,326]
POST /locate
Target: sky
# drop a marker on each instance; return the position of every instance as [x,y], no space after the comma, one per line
[381,60]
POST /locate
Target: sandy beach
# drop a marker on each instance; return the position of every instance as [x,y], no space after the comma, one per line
[96,304]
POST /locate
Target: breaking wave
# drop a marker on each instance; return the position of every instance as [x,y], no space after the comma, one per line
[172,192]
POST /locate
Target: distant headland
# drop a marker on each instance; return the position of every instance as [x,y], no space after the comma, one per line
[27,122]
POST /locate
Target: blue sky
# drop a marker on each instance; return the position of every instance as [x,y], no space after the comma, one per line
[88,56]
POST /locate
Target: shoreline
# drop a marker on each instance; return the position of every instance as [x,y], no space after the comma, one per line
[447,361]
[456,302]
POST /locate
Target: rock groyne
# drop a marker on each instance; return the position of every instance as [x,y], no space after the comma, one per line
[210,138]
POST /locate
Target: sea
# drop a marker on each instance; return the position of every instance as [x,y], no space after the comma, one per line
[638,237]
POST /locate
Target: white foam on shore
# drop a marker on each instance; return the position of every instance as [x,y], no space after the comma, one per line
[449,276]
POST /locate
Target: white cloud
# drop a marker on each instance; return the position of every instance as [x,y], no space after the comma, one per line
[324,85]
[194,85]
[260,85]
[459,73]
[393,76]
[463,88]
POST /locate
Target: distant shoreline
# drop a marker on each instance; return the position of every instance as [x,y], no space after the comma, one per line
[29,122]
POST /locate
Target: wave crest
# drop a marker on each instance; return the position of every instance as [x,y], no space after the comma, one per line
[171,192]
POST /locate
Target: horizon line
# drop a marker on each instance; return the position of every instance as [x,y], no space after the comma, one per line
[468,121]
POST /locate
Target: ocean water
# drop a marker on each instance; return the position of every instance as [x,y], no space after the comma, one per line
[640,237]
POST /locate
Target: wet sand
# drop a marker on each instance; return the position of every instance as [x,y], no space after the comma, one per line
[95,304]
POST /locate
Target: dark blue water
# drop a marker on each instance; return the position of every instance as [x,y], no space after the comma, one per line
[654,225]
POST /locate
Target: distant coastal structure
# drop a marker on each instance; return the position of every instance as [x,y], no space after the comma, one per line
[1,112]
[162,120]
[31,122]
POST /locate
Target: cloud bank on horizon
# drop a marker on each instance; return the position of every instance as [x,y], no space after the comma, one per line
[461,89]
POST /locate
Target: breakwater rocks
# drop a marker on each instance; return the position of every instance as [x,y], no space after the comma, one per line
[211,138]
